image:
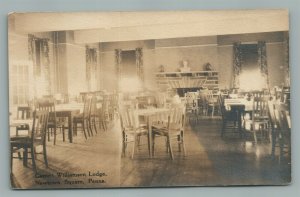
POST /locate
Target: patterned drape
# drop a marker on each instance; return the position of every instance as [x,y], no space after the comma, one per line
[118,63]
[262,61]
[287,61]
[237,64]
[38,49]
[139,64]
[91,68]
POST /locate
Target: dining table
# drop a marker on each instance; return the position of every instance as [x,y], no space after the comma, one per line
[231,102]
[68,111]
[148,114]
[238,107]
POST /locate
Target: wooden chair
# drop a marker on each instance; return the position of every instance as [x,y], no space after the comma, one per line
[101,116]
[202,103]
[212,102]
[273,125]
[192,108]
[106,111]
[114,105]
[53,124]
[283,130]
[259,119]
[36,138]
[83,118]
[102,122]
[94,116]
[231,119]
[173,128]
[131,132]
[110,105]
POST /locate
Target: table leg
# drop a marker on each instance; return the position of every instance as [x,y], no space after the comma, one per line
[25,156]
[240,113]
[70,134]
[150,136]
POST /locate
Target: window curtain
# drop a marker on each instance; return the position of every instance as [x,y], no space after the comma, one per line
[139,64]
[118,64]
[91,68]
[237,64]
[38,49]
[262,61]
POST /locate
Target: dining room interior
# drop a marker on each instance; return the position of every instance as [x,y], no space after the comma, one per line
[149,99]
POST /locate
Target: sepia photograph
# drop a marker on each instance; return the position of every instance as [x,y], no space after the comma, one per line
[149,99]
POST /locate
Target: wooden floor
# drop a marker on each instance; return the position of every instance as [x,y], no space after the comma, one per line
[210,160]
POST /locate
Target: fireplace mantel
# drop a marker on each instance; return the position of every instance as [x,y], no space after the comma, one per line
[192,79]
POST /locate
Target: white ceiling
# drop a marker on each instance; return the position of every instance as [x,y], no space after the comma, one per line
[91,27]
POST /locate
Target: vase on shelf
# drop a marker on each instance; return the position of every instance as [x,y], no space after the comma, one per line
[161,68]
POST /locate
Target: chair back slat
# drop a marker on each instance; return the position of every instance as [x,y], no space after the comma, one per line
[93,106]
[87,106]
[260,107]
[39,127]
[191,99]
[271,113]
[282,117]
[176,117]
[129,119]
[221,105]
[48,106]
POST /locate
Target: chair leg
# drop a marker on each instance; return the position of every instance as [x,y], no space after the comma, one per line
[95,126]
[273,137]
[48,131]
[63,133]
[255,137]
[123,144]
[179,142]
[134,145]
[11,159]
[153,144]
[170,147]
[90,127]
[183,144]
[33,158]
[84,132]
[25,156]
[103,125]
[281,153]
[106,125]
[54,141]
[149,145]
[75,128]
[167,145]
[45,155]
[85,128]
